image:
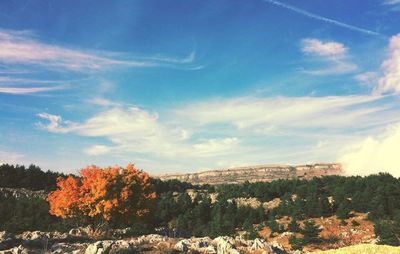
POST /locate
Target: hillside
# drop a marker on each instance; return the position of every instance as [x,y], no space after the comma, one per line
[257,173]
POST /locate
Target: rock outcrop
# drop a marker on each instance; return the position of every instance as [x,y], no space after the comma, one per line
[62,243]
[259,173]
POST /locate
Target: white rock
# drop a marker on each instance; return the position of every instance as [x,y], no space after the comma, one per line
[99,247]
[16,250]
[182,245]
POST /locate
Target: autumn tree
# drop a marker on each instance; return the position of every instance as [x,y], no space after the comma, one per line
[109,194]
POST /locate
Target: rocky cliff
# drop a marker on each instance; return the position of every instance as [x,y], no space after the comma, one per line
[259,173]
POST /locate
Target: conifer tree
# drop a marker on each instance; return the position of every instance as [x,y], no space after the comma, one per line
[311,232]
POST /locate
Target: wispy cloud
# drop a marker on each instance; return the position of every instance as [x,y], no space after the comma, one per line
[338,67]
[334,53]
[135,130]
[223,128]
[28,90]
[325,49]
[284,113]
[394,4]
[323,19]
[16,80]
[368,78]
[22,52]
[22,48]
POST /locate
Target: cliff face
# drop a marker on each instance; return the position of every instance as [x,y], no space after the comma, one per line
[259,173]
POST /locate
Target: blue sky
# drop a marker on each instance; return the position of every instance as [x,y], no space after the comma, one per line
[180,86]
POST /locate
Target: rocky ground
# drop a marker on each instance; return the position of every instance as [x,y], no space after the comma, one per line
[76,242]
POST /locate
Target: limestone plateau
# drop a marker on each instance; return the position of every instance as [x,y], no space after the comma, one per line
[258,173]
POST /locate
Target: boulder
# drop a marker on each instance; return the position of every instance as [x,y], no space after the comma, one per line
[121,247]
[80,232]
[182,246]
[16,250]
[203,242]
[110,247]
[152,238]
[64,248]
[225,245]
[35,238]
[122,232]
[99,247]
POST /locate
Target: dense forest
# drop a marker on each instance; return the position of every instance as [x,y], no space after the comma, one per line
[177,213]
[32,177]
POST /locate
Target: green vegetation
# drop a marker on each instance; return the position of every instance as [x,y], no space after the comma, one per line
[310,234]
[32,177]
[178,214]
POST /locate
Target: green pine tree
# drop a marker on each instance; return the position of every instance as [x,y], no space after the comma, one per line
[294,226]
[311,232]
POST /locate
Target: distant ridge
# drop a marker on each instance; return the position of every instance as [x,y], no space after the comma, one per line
[257,173]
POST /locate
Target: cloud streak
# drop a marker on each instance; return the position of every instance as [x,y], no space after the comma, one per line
[23,48]
[28,90]
[283,113]
[323,19]
[22,52]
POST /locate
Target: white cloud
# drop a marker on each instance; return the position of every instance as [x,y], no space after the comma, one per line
[215,147]
[369,78]
[283,112]
[135,130]
[24,53]
[379,152]
[330,52]
[55,123]
[228,131]
[28,90]
[112,123]
[326,49]
[374,154]
[338,67]
[390,81]
[98,150]
[100,101]
[6,79]
[392,2]
[24,49]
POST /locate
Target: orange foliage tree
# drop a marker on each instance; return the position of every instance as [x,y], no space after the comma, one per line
[109,193]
